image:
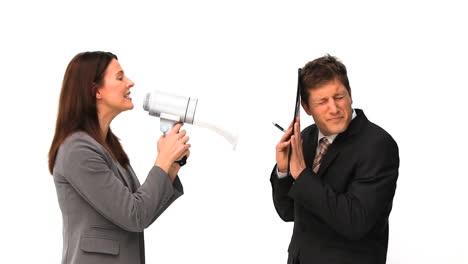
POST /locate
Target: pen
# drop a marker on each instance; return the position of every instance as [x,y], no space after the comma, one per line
[278,126]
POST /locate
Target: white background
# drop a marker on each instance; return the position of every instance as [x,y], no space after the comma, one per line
[407,63]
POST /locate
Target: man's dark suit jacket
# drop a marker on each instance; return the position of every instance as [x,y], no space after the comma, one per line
[341,213]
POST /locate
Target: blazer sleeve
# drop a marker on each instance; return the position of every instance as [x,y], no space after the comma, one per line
[178,191]
[284,204]
[87,170]
[370,193]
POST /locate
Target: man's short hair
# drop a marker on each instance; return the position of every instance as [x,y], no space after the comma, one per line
[321,71]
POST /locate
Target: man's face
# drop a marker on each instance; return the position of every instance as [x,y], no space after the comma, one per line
[330,106]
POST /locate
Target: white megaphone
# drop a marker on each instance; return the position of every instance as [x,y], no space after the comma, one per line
[172,109]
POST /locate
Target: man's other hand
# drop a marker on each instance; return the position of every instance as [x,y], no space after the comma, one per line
[297,157]
[282,150]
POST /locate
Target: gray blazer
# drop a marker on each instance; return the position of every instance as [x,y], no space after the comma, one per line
[104,207]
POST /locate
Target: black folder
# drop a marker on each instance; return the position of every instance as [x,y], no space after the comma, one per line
[296,110]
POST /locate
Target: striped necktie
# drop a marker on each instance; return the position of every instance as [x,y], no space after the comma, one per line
[324,144]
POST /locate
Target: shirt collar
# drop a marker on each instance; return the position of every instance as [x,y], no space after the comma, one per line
[331,138]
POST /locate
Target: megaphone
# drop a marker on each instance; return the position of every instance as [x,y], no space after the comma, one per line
[172,109]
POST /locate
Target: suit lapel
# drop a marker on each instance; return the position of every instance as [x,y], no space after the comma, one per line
[329,157]
[354,127]
[309,147]
[134,177]
[122,173]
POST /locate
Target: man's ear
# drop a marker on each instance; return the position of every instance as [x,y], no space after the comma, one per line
[350,97]
[306,107]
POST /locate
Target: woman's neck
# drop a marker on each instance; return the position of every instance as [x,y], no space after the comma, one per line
[105,118]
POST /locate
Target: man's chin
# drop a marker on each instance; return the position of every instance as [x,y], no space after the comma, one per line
[336,130]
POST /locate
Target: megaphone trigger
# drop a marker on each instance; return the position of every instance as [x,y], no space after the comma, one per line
[182,161]
[167,122]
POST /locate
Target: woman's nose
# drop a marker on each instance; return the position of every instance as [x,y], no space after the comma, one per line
[130,83]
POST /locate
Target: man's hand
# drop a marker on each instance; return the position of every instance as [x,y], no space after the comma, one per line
[282,150]
[297,164]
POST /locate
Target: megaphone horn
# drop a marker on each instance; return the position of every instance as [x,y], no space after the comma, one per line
[172,109]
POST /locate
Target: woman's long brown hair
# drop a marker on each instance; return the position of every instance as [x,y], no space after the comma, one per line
[77,109]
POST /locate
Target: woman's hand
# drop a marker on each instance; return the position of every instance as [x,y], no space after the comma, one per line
[172,147]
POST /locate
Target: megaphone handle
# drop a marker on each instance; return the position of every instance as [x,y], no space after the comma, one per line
[182,161]
[167,122]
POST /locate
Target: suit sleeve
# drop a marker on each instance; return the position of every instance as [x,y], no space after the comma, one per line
[178,191]
[86,169]
[284,204]
[369,195]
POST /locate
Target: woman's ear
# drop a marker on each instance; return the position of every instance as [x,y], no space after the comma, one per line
[96,91]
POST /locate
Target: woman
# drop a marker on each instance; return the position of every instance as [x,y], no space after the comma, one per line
[104,207]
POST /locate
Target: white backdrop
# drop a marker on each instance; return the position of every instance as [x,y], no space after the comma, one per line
[406,63]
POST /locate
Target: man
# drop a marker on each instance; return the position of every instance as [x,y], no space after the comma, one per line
[342,178]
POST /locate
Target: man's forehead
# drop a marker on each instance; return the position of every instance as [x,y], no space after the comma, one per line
[328,89]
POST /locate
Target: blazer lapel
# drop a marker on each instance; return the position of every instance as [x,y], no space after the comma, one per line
[134,177]
[309,147]
[122,173]
[329,157]
[354,127]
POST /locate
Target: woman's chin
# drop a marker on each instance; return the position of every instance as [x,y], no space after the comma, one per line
[129,106]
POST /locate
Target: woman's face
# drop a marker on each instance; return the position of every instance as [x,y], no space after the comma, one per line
[114,95]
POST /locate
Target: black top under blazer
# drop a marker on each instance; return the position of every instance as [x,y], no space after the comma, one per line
[341,213]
